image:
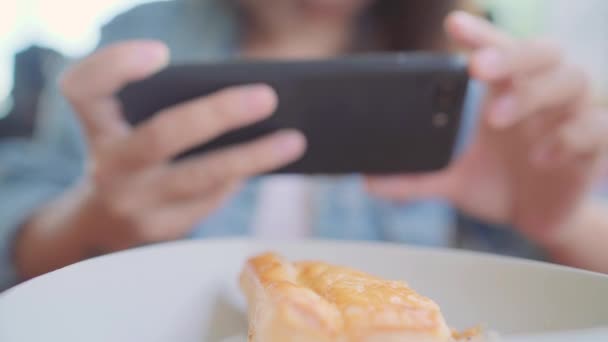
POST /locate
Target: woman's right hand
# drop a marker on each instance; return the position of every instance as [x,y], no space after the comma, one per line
[132,193]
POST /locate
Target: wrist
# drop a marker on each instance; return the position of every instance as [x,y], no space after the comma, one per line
[54,235]
[582,240]
[564,233]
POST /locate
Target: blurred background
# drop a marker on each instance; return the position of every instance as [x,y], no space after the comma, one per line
[34,33]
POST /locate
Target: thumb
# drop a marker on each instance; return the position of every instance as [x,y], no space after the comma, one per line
[91,84]
[411,187]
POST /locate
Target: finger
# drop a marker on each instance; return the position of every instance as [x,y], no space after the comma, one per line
[90,85]
[410,187]
[106,71]
[547,153]
[175,221]
[474,32]
[197,122]
[499,55]
[584,137]
[191,178]
[562,90]
[537,126]
[496,64]
[587,135]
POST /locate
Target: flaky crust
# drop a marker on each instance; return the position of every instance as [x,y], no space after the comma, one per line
[315,301]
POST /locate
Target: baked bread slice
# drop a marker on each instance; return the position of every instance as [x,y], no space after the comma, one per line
[315,301]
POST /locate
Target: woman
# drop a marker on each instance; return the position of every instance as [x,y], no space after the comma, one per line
[529,164]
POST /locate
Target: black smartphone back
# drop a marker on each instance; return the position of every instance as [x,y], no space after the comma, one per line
[370,114]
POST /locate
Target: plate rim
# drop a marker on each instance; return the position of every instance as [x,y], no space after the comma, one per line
[448,251]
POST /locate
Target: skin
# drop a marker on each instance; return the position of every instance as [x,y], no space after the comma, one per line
[301,28]
[132,194]
[540,146]
[534,139]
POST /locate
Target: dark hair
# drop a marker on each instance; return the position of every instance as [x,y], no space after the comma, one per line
[394,25]
[400,25]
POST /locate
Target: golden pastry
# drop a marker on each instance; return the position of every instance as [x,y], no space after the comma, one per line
[315,301]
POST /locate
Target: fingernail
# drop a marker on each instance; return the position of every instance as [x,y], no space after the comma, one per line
[465,19]
[466,24]
[152,53]
[490,64]
[503,113]
[290,144]
[258,99]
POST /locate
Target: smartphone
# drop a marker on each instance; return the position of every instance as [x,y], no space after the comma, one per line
[375,114]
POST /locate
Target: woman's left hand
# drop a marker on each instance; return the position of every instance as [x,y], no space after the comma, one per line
[539,143]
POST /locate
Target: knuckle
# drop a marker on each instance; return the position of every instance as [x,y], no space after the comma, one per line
[567,137]
[577,80]
[115,51]
[237,162]
[198,177]
[545,46]
[579,77]
[263,154]
[157,228]
[218,169]
[221,109]
[120,208]
[259,159]
[224,98]
[140,229]
[206,115]
[168,232]
[100,175]
[603,144]
[182,185]
[523,88]
[216,172]
[220,196]
[156,138]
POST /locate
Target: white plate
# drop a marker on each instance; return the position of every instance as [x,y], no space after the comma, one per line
[187,291]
